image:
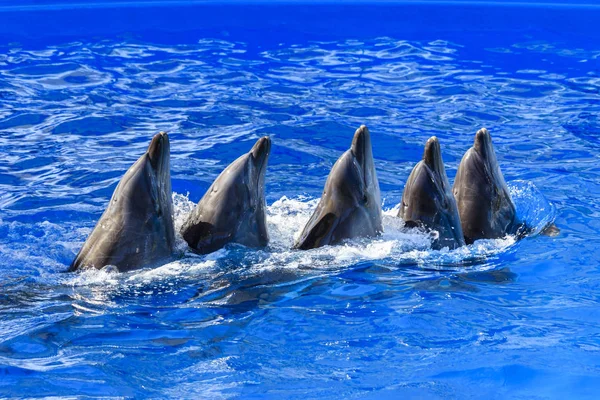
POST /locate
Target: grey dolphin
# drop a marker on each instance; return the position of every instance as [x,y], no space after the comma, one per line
[428,201]
[351,203]
[233,208]
[136,229]
[484,204]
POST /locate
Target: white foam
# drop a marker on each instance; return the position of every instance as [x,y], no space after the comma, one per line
[182,207]
[286,217]
[93,277]
[172,269]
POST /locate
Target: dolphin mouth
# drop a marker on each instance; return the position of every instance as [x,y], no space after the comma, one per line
[432,155]
[483,142]
[484,147]
[259,156]
[260,153]
[361,149]
[158,151]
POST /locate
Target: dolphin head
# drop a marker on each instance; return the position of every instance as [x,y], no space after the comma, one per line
[136,229]
[147,183]
[428,201]
[250,222]
[351,202]
[233,208]
[484,202]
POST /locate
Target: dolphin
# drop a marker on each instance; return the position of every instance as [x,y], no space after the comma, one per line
[351,203]
[428,201]
[233,208]
[136,229]
[484,204]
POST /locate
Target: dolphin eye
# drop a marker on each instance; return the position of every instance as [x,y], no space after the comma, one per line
[365,199]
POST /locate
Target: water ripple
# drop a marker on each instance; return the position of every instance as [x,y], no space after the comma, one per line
[350,320]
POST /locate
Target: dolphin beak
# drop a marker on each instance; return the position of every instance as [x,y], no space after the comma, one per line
[483,141]
[432,151]
[432,156]
[158,149]
[261,150]
[361,146]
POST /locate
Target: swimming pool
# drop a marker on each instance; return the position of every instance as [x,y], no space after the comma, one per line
[84,86]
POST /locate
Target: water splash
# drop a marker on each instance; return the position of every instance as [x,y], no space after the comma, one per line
[398,246]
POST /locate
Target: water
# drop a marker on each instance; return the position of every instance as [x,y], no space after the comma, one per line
[83,89]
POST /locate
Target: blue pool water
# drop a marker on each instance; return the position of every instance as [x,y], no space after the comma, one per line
[84,86]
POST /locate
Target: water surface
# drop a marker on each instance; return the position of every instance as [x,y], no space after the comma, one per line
[82,91]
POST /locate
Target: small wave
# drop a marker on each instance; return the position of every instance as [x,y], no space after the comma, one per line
[398,246]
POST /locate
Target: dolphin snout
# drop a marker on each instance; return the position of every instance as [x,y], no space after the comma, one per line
[482,139]
[158,147]
[361,145]
[432,153]
[261,150]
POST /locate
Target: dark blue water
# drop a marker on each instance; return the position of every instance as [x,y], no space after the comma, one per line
[84,87]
